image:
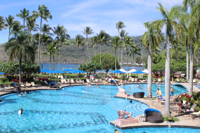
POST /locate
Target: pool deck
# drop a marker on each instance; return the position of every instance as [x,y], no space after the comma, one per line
[185,120]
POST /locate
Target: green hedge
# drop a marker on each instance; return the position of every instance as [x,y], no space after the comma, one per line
[11,83]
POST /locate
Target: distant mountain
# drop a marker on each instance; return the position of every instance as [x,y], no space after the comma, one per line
[69,53]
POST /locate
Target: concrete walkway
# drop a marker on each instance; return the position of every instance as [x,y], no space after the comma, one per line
[185,120]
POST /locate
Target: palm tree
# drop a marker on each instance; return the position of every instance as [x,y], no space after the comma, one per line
[193,33]
[51,50]
[10,23]
[31,24]
[122,35]
[24,15]
[43,13]
[18,48]
[169,21]
[184,22]
[16,28]
[94,40]
[133,50]
[2,23]
[116,42]
[59,31]
[119,26]
[88,31]
[150,40]
[46,29]
[79,41]
[103,37]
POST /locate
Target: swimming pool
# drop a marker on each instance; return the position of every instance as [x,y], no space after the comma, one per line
[73,109]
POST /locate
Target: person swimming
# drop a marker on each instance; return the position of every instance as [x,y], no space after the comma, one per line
[131,101]
[146,89]
[138,86]
[129,88]
[141,89]
[20,111]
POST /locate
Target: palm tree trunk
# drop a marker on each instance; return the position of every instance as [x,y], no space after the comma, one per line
[88,48]
[78,55]
[115,59]
[24,24]
[100,53]
[121,56]
[177,54]
[167,79]
[50,63]
[9,35]
[53,66]
[187,64]
[20,62]
[39,43]
[149,72]
[118,54]
[191,68]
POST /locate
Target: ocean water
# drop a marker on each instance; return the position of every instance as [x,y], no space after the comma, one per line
[75,67]
[74,109]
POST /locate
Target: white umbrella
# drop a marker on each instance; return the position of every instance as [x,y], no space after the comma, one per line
[132,70]
[145,71]
[123,70]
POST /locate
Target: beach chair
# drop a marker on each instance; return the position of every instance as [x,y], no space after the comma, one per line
[96,81]
[46,83]
[154,80]
[191,109]
[72,81]
[195,114]
[87,80]
[33,83]
[132,80]
[194,80]
[1,88]
[159,80]
[136,80]
[64,81]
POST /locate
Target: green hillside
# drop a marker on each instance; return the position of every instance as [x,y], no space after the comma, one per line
[69,53]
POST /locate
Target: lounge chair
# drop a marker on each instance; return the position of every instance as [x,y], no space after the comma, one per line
[96,80]
[72,81]
[136,80]
[63,81]
[195,114]
[1,88]
[191,109]
[159,80]
[33,83]
[154,80]
[183,81]
[46,83]
[61,76]
[87,80]
[153,116]
[132,80]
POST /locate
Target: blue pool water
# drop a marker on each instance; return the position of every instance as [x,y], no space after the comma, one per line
[71,110]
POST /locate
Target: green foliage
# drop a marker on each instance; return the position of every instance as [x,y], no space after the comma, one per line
[174,118]
[108,61]
[90,66]
[13,67]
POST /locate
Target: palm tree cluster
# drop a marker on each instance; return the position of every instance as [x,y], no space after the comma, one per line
[182,29]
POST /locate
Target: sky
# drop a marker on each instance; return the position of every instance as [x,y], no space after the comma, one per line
[75,15]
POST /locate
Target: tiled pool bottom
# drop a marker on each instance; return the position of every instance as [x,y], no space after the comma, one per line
[73,109]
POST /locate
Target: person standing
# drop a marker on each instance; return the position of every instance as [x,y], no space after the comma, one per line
[172,91]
